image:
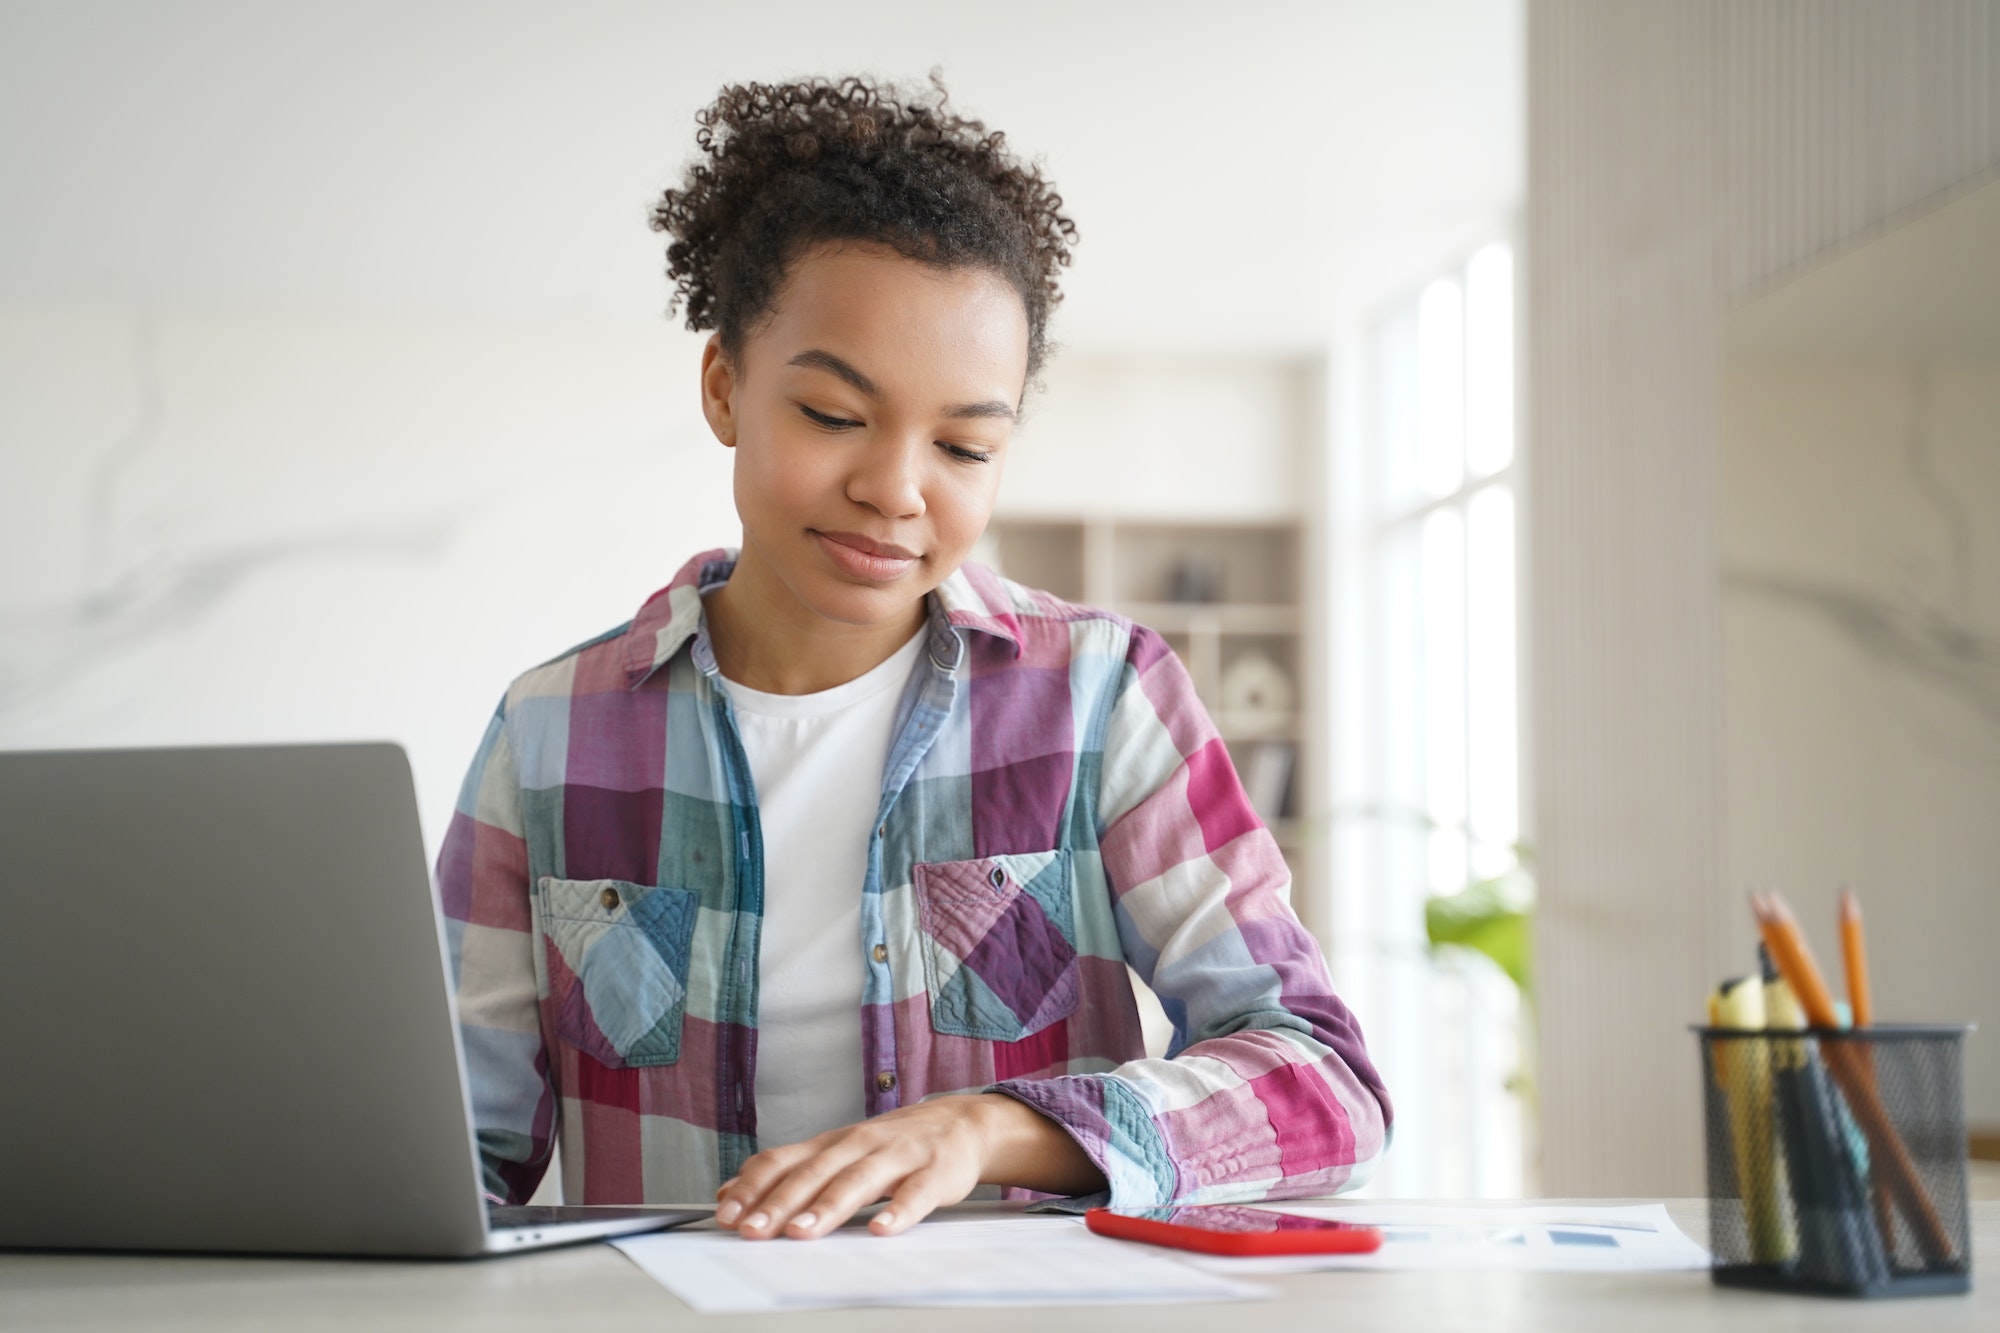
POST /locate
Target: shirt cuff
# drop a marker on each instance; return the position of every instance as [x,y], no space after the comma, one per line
[1113,1127]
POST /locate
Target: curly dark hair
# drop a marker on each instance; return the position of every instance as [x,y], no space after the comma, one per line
[785,166]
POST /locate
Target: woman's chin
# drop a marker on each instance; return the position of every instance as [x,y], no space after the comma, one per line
[871,605]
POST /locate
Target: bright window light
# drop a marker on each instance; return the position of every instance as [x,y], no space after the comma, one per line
[1443,674]
[1441,388]
[1489,361]
[1426,697]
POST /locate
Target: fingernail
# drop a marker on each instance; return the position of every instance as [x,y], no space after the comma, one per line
[884,1221]
[757,1222]
[804,1221]
[728,1213]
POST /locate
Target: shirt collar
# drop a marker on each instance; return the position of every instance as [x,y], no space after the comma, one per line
[973,599]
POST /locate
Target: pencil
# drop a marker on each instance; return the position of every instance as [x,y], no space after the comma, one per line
[1861,1008]
[1854,954]
[1793,956]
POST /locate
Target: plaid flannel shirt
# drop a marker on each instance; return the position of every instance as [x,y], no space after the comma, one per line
[1056,805]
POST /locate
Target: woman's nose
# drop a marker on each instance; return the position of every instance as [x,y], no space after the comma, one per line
[888,477]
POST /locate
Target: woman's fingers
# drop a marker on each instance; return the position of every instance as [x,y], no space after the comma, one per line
[919,1157]
[920,1194]
[789,1193]
[740,1195]
[915,1181]
[848,1190]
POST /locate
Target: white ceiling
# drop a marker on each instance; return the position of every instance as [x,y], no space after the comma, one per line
[1241,172]
[1927,288]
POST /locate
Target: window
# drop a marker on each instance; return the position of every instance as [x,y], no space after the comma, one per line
[1426,750]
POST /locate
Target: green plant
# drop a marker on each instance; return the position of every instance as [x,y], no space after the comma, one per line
[1492,916]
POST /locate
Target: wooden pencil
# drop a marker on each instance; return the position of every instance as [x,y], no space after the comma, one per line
[1854,955]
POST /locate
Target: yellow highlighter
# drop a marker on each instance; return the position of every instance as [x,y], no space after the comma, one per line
[1743,1072]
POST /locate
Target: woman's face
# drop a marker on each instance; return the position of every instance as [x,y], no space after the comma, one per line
[870,414]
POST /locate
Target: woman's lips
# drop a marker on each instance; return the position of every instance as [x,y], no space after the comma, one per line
[864,557]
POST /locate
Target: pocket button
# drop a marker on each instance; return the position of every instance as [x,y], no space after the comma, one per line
[610,900]
[885,1080]
[881,953]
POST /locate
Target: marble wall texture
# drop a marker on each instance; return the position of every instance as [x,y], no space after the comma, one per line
[1861,620]
[240,529]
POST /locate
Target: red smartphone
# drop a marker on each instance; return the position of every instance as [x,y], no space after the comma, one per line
[1222,1228]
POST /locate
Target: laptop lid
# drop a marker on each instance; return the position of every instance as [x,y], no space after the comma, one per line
[226,1019]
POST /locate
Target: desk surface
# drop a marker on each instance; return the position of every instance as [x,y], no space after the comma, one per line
[552,1289]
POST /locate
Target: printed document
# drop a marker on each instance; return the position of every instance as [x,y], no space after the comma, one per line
[948,1262]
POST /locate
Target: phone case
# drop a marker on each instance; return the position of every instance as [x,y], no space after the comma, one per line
[1233,1230]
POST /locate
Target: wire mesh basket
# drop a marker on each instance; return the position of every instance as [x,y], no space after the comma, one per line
[1837,1159]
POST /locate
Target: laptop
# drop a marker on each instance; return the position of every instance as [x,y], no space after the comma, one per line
[225,1019]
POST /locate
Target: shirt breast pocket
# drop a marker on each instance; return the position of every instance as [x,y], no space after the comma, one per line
[999,943]
[617,956]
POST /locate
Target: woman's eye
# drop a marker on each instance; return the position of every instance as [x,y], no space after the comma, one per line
[830,422]
[964,454]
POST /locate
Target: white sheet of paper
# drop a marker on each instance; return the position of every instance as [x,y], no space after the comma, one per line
[1536,1238]
[1000,1261]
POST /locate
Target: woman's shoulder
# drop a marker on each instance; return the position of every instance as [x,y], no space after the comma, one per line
[564,674]
[980,593]
[1034,627]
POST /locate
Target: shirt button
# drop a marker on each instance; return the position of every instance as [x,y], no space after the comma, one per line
[881,953]
[885,1080]
[610,900]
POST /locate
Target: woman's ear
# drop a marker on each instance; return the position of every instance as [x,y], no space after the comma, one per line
[718,391]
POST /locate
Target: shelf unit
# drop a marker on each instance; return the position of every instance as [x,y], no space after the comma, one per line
[1218,593]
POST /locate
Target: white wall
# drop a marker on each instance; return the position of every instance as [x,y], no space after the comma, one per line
[1238,174]
[1170,437]
[1861,606]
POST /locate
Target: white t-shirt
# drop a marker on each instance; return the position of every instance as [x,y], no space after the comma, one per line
[817,762]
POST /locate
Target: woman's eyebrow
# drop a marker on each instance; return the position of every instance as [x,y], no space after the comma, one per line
[992,407]
[827,361]
[818,359]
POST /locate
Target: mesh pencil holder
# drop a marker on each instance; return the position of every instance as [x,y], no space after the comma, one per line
[1836,1160]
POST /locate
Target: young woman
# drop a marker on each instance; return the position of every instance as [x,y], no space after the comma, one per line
[815,883]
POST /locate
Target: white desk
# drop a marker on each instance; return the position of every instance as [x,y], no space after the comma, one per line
[596,1289]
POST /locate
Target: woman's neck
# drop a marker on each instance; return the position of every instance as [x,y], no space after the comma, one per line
[764,640]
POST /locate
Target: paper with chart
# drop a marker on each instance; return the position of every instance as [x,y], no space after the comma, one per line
[1538,1238]
[948,1262]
